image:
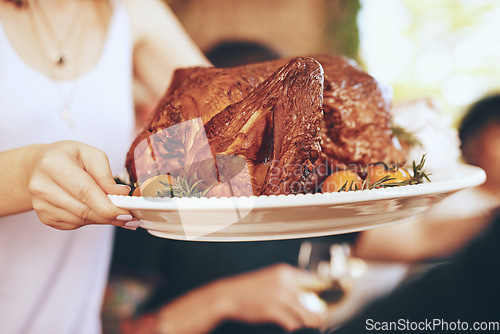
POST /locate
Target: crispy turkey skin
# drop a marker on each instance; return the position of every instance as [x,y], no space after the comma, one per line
[291,120]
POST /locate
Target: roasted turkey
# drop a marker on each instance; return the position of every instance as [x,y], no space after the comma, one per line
[276,127]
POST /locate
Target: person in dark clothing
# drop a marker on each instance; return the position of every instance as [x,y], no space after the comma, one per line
[183,267]
[461,295]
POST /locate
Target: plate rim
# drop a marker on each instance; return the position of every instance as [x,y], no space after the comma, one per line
[474,176]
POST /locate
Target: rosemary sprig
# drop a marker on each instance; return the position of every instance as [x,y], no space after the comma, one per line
[166,191]
[352,186]
[183,186]
[387,181]
[382,182]
[189,187]
[418,172]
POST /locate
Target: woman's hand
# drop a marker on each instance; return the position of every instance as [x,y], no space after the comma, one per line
[268,295]
[68,186]
[67,183]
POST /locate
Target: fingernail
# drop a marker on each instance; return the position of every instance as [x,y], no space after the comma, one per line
[130,228]
[124,218]
[133,223]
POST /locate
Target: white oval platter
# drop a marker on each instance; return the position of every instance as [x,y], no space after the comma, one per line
[294,216]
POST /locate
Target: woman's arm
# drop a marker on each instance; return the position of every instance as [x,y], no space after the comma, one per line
[15,167]
[161,45]
[65,183]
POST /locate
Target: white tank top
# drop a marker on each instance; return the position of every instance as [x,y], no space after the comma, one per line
[53,281]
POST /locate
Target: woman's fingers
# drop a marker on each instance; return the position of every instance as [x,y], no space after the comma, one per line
[77,182]
[49,199]
[59,219]
[62,219]
[75,177]
[96,164]
[66,209]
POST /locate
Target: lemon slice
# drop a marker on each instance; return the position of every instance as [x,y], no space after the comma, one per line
[155,184]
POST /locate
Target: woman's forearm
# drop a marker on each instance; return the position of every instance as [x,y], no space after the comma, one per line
[15,167]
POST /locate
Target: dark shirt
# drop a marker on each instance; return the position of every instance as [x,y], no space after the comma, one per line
[185,265]
[450,298]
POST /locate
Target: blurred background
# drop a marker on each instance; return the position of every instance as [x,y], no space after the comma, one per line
[448,50]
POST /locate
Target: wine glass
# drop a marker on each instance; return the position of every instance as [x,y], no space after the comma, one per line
[327,276]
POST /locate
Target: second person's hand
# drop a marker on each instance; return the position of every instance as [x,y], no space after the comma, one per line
[265,296]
